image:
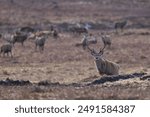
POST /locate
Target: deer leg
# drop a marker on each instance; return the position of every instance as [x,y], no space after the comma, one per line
[3,54]
[116,30]
[22,44]
[121,29]
[35,47]
[11,54]
[42,48]
[7,53]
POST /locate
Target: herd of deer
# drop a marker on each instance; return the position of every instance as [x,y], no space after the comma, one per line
[24,33]
[103,65]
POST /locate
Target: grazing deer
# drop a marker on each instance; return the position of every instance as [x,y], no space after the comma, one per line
[106,39]
[26,29]
[78,30]
[40,42]
[0,35]
[19,37]
[104,66]
[84,42]
[120,25]
[87,40]
[6,49]
[55,34]
[44,33]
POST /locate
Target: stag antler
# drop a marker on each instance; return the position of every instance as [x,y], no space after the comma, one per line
[101,51]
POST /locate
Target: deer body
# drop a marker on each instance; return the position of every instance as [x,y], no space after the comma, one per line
[19,37]
[120,25]
[26,29]
[78,30]
[6,49]
[40,42]
[106,67]
[106,40]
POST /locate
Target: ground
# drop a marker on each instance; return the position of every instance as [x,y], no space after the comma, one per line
[69,69]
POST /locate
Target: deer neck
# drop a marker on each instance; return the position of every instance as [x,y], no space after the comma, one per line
[99,60]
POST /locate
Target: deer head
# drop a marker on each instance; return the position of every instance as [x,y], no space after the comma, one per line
[94,53]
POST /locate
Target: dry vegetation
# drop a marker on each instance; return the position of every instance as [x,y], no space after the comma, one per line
[70,67]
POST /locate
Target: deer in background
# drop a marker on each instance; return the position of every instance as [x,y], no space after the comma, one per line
[106,39]
[87,39]
[6,49]
[120,25]
[103,65]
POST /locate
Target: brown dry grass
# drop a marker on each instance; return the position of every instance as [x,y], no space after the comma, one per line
[62,62]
